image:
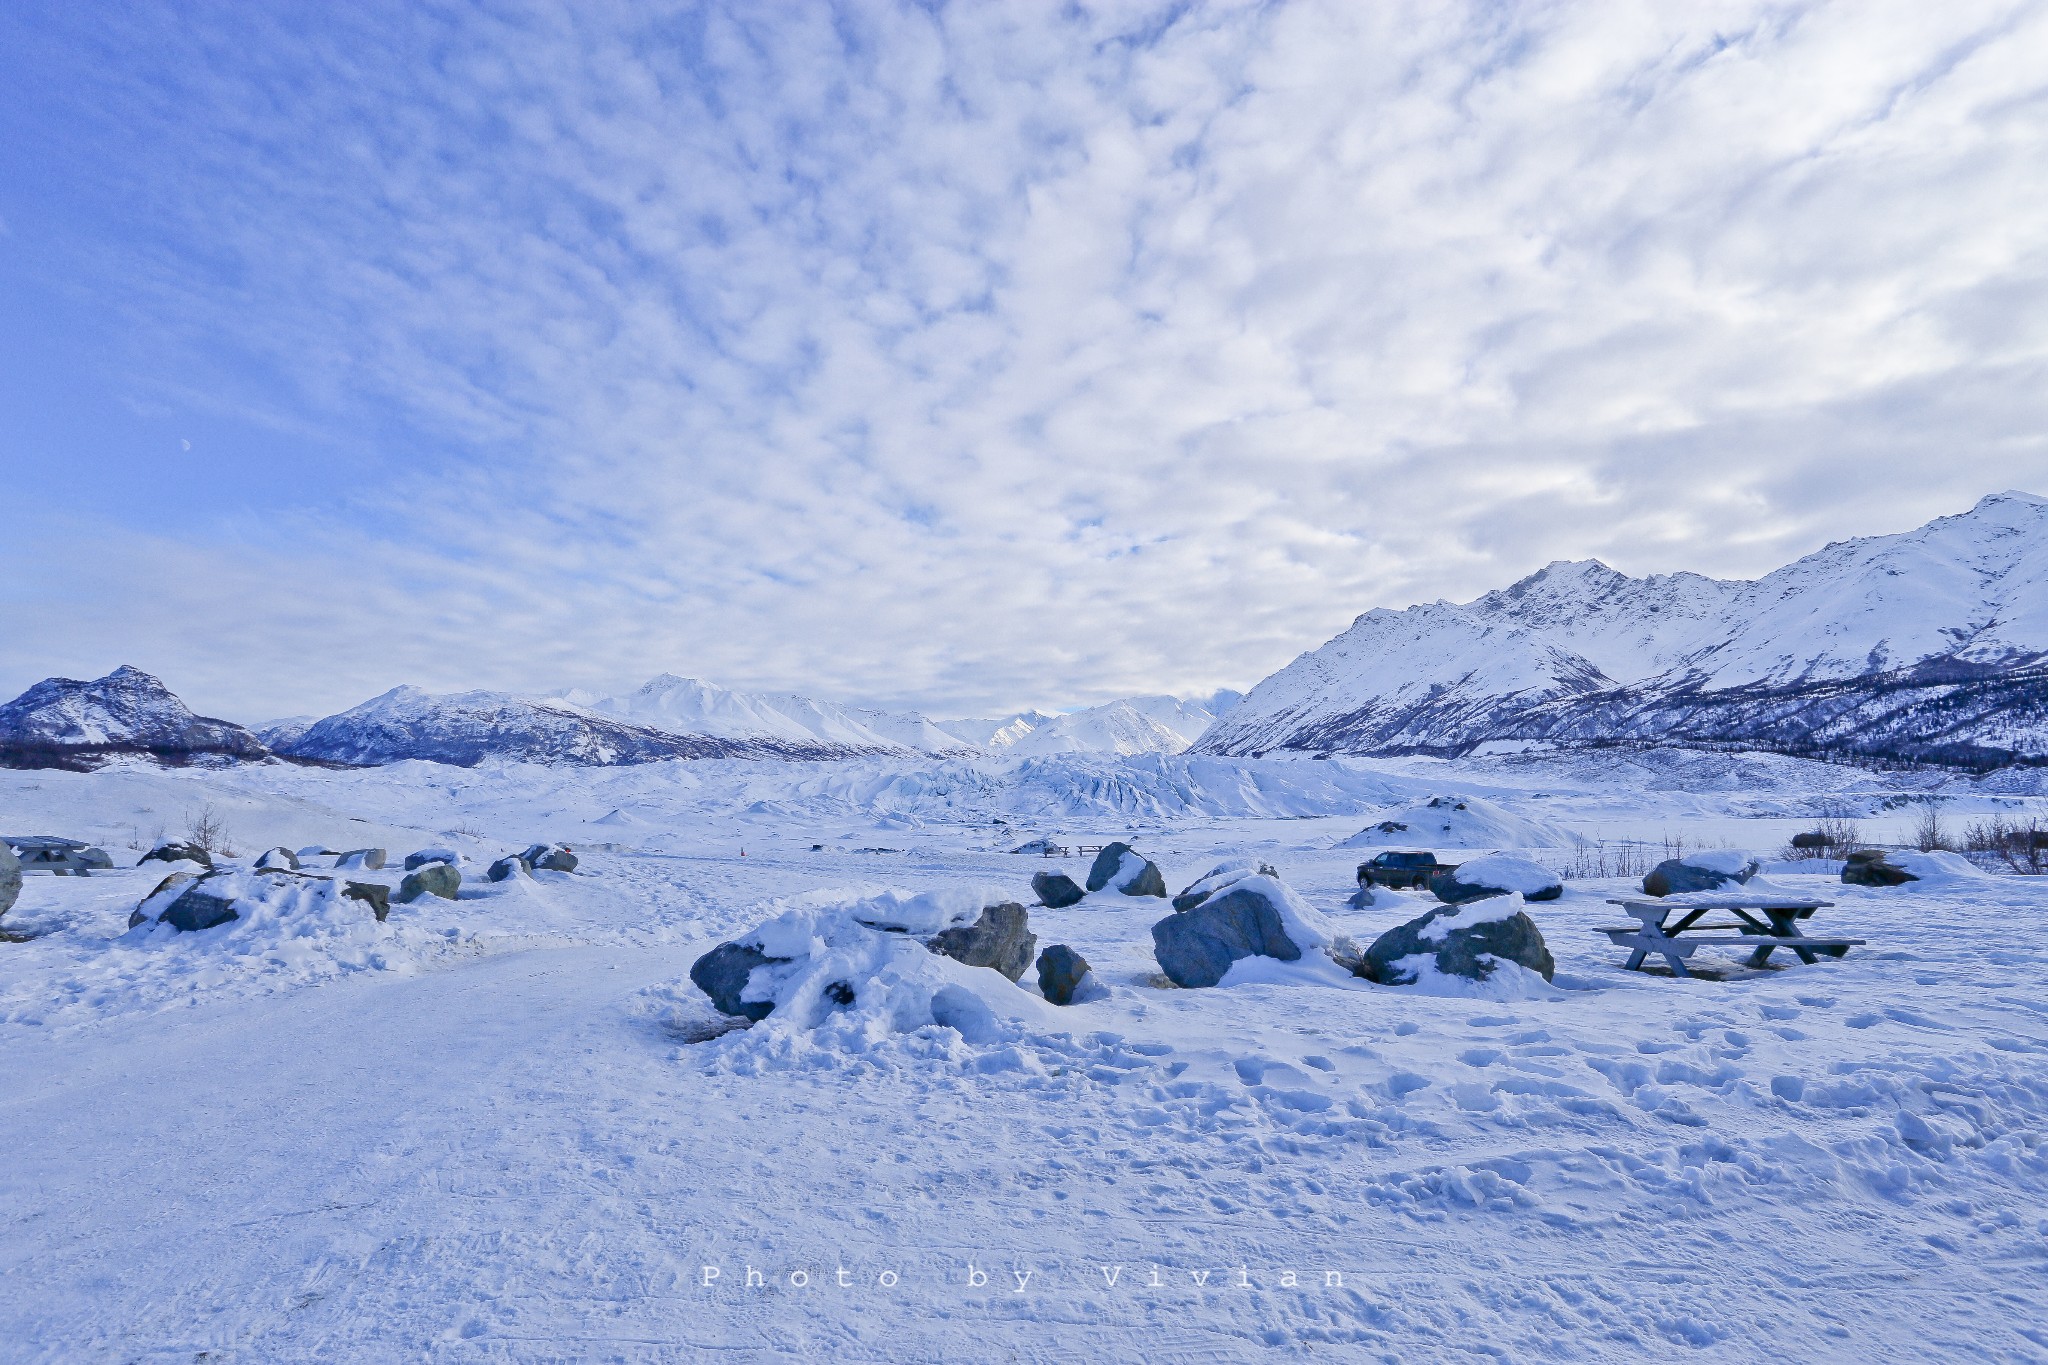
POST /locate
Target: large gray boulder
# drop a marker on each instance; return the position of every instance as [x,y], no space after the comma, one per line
[1706,871]
[415,861]
[10,878]
[1056,890]
[1466,947]
[1215,878]
[201,906]
[511,865]
[549,858]
[175,852]
[429,879]
[140,916]
[376,895]
[1239,910]
[1001,939]
[1122,868]
[1869,867]
[722,974]
[1498,874]
[1060,971]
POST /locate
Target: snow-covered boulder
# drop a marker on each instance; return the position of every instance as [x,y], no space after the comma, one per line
[430,879]
[175,852]
[10,878]
[1044,848]
[1056,890]
[1707,870]
[275,905]
[279,857]
[1119,867]
[1896,867]
[1468,941]
[360,859]
[871,966]
[1497,875]
[1237,911]
[550,858]
[1001,940]
[1457,822]
[415,861]
[1216,877]
[508,867]
[1060,973]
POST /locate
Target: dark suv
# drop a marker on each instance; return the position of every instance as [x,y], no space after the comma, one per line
[1400,870]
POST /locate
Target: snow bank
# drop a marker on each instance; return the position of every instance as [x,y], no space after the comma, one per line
[858,972]
[1457,822]
[1934,868]
[1508,873]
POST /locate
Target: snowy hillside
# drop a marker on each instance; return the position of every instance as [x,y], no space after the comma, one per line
[65,722]
[467,727]
[689,706]
[1926,644]
[1133,725]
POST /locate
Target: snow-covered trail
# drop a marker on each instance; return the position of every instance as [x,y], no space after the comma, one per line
[503,1161]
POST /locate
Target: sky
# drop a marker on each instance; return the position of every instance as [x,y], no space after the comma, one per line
[968,357]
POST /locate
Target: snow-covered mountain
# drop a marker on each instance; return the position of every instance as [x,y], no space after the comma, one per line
[62,722]
[688,706]
[1133,725]
[466,727]
[997,732]
[1932,643]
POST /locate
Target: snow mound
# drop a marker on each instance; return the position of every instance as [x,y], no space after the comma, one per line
[283,918]
[1457,822]
[1937,867]
[858,974]
[1508,873]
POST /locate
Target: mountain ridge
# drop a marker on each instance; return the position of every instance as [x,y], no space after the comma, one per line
[1923,645]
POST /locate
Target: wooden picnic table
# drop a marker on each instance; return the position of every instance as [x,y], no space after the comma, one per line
[1672,928]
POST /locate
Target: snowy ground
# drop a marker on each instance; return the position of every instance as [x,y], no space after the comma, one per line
[484,1131]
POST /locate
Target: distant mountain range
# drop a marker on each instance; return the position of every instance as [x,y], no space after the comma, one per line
[63,722]
[1929,645]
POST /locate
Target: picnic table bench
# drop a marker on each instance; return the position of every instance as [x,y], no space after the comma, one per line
[1673,930]
[60,857]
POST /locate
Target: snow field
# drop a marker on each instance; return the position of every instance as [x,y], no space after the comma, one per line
[498,1129]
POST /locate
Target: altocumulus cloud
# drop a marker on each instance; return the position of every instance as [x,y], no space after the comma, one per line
[968,356]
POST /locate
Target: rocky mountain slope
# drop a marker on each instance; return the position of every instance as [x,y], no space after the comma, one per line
[467,727]
[65,723]
[1927,645]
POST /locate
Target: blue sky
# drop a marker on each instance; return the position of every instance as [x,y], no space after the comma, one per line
[973,357]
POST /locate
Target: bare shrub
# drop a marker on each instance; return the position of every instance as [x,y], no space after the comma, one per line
[207,829]
[2022,845]
[1602,858]
[1930,835]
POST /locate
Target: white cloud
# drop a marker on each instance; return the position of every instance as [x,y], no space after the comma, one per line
[996,358]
